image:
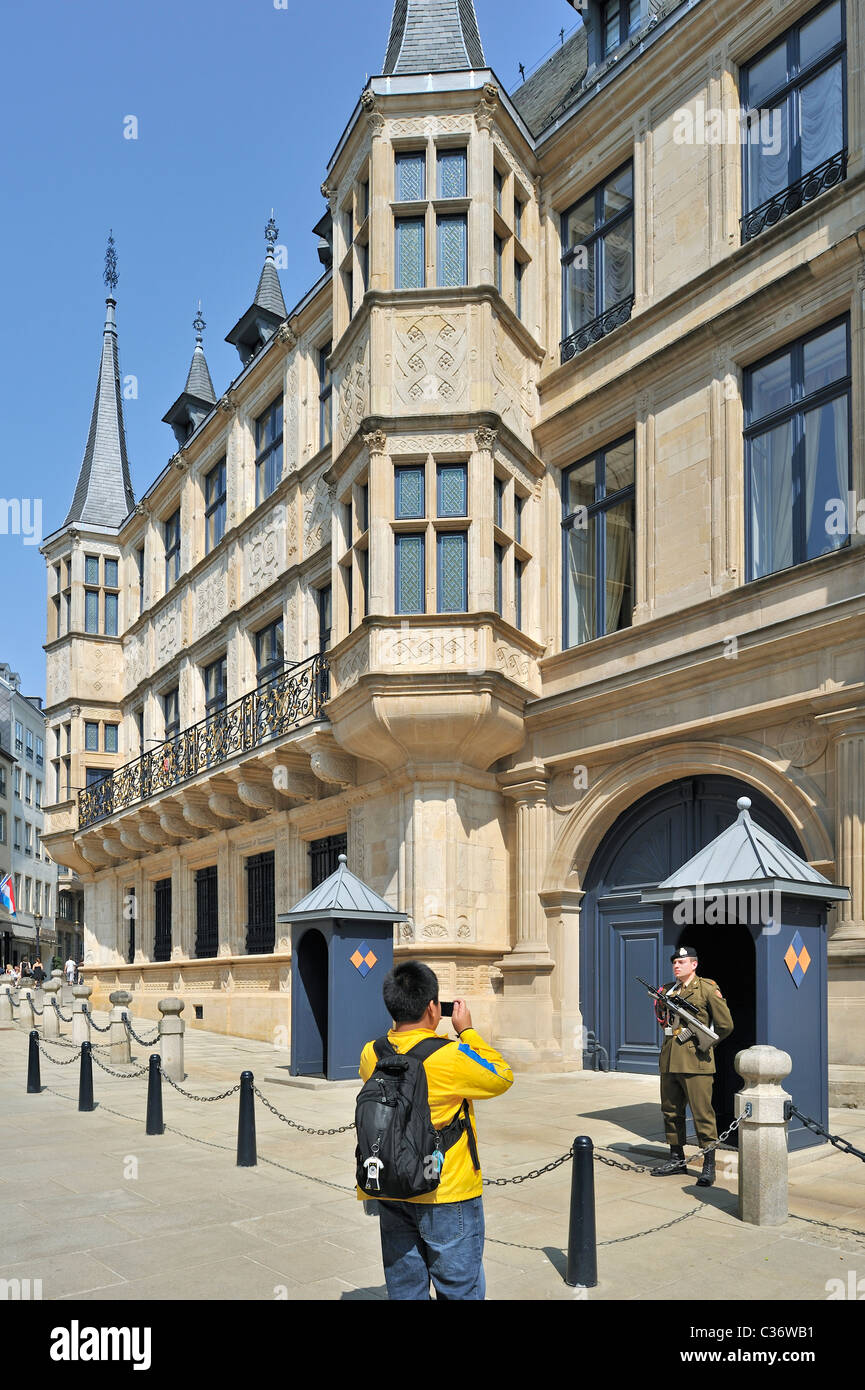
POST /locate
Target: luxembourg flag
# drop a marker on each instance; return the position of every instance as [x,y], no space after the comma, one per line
[7,894]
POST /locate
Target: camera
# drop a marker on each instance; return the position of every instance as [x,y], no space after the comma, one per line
[447,1010]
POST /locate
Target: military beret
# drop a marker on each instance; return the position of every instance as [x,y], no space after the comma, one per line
[683,953]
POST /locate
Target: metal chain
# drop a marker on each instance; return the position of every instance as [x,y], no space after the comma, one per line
[673,1165]
[143,1041]
[56,1007]
[139,1071]
[829,1225]
[835,1139]
[93,1024]
[37,1012]
[535,1173]
[189,1095]
[304,1129]
[14,1004]
[67,1061]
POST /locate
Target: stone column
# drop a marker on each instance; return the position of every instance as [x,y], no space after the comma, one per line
[847,938]
[80,1024]
[850,830]
[562,908]
[481,576]
[526,1011]
[481,185]
[121,1046]
[763,1135]
[380,571]
[380,194]
[171,1030]
[50,1018]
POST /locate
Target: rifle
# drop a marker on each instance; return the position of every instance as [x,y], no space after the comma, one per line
[703,1034]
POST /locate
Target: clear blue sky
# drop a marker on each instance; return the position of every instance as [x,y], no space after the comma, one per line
[239,106]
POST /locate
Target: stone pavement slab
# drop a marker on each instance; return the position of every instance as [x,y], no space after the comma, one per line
[125,1216]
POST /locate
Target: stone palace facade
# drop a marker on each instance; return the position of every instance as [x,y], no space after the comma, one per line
[516,552]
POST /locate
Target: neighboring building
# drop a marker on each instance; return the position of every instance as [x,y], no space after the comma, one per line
[549,463]
[7,923]
[22,731]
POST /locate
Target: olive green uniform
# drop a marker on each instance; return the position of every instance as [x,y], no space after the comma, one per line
[686,1071]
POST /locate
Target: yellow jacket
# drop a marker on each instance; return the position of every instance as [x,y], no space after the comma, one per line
[468,1069]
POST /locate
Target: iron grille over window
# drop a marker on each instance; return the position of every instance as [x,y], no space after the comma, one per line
[162,934]
[132,909]
[324,857]
[261,905]
[206,912]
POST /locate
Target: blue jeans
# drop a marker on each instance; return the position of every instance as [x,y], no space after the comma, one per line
[440,1242]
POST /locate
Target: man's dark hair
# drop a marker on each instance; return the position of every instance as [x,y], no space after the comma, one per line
[408,989]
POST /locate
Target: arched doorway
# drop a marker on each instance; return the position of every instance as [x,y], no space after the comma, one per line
[621,937]
[310,1003]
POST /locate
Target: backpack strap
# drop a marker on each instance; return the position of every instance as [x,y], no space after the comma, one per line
[461,1122]
[426,1047]
[382,1047]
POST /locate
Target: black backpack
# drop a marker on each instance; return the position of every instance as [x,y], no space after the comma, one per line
[399,1154]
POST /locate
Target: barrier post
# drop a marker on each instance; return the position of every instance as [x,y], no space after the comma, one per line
[50,1018]
[6,1012]
[247,1156]
[80,1025]
[34,1080]
[171,1029]
[26,1015]
[762,1135]
[85,1077]
[153,1123]
[121,1043]
[582,1253]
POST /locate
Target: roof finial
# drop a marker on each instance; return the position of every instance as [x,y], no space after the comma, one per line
[110,275]
[199,325]
[271,232]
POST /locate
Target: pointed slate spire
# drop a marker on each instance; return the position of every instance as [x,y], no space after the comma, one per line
[103,495]
[433,36]
[198,397]
[267,310]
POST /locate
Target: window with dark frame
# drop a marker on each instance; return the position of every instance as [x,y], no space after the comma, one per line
[268,451]
[620,19]
[91,610]
[214,507]
[171,713]
[269,651]
[162,913]
[323,602]
[795,94]
[139,565]
[598,543]
[325,392]
[171,532]
[261,904]
[206,912]
[131,907]
[324,857]
[598,263]
[798,454]
[215,686]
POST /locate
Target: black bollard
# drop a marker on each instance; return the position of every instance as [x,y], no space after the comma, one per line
[582,1253]
[34,1080]
[85,1079]
[154,1123]
[247,1156]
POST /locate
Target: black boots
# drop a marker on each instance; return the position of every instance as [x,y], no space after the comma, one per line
[676,1165]
[707,1177]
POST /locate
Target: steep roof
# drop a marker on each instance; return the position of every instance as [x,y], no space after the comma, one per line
[103,495]
[198,383]
[546,92]
[433,36]
[269,293]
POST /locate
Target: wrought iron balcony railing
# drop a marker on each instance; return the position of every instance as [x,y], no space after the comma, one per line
[592,332]
[270,711]
[824,176]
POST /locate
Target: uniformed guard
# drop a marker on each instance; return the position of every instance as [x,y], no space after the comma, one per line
[686,1068]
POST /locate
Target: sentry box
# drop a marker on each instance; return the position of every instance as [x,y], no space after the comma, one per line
[341,950]
[756,914]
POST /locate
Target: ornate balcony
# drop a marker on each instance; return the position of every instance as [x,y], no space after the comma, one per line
[592,332]
[269,712]
[826,175]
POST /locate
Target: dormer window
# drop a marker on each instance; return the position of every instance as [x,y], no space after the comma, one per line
[620,19]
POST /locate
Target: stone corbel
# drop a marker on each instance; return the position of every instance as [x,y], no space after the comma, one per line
[175,825]
[130,837]
[486,438]
[485,111]
[196,812]
[93,853]
[292,785]
[178,462]
[114,847]
[286,334]
[228,403]
[376,442]
[254,791]
[338,769]
[227,807]
[152,833]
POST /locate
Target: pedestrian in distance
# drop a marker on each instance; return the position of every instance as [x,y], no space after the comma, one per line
[38,973]
[417,1153]
[69,970]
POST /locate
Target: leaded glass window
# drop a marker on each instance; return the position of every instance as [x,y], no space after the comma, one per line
[519,272]
[452,490]
[598,542]
[111,615]
[111,574]
[91,737]
[452,550]
[797,452]
[409,500]
[519,567]
[410,574]
[409,264]
[796,90]
[410,176]
[451,173]
[498,249]
[91,610]
[111,738]
[91,569]
[452,250]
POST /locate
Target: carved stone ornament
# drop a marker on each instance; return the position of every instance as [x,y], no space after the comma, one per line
[486,438]
[179,462]
[802,742]
[376,441]
[228,403]
[486,110]
[367,100]
[142,509]
[328,193]
[286,334]
[375,124]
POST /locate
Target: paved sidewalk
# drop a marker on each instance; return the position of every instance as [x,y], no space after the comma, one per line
[124,1216]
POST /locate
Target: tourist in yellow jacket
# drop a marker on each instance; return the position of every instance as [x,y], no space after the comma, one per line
[438,1236]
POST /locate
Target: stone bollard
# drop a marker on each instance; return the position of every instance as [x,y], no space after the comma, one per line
[763,1135]
[50,1018]
[80,1024]
[25,1007]
[7,1013]
[121,1043]
[171,1029]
